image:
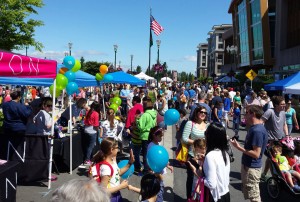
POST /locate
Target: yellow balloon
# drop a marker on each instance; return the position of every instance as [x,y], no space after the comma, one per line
[103,69]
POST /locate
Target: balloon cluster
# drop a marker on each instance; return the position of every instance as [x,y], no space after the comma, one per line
[66,76]
[103,69]
[115,102]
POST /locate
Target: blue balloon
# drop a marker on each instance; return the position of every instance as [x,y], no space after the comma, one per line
[71,88]
[171,117]
[175,99]
[70,76]
[157,158]
[107,78]
[69,62]
[129,172]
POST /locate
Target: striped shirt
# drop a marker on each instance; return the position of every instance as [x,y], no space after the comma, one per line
[193,133]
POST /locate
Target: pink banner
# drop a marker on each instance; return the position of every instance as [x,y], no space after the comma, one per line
[14,65]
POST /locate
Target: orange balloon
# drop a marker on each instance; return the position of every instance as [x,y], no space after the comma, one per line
[103,69]
[63,70]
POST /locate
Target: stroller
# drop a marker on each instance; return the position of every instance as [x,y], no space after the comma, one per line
[278,179]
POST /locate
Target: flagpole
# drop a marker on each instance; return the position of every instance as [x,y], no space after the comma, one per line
[150,35]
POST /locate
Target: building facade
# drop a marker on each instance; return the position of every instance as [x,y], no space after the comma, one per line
[202,60]
[216,49]
[287,38]
[254,34]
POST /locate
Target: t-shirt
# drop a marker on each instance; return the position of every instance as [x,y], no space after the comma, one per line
[91,122]
[227,104]
[274,123]
[289,116]
[41,120]
[237,99]
[216,99]
[108,131]
[256,136]
[106,171]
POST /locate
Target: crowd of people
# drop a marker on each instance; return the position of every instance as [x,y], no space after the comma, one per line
[140,119]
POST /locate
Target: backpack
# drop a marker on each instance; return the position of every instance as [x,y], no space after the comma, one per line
[97,167]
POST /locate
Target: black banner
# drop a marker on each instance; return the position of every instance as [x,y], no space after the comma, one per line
[32,153]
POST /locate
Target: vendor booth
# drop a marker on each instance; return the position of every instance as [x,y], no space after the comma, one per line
[282,84]
[121,77]
[144,76]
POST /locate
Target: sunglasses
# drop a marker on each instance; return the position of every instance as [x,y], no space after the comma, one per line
[201,112]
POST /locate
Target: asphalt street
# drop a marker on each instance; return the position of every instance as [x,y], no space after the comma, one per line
[174,182]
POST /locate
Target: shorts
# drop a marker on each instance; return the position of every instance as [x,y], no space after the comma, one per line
[226,115]
[288,171]
[250,183]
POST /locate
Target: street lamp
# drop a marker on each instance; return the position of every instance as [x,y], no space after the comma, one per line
[232,50]
[70,47]
[115,49]
[131,57]
[158,42]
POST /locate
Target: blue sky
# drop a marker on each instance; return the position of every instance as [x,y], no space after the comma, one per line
[94,26]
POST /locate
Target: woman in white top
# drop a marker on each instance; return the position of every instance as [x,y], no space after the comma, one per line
[216,164]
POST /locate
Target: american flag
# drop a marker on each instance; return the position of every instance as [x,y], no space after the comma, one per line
[157,29]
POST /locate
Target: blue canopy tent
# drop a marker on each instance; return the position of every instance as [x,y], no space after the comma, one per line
[122,77]
[282,84]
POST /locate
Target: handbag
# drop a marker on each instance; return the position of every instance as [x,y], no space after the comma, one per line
[183,150]
[194,197]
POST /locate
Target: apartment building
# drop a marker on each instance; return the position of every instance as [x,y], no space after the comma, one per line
[202,60]
[216,49]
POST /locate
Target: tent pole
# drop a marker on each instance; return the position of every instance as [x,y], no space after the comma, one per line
[52,134]
[71,132]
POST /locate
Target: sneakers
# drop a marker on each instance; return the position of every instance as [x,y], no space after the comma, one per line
[87,162]
[296,188]
[53,178]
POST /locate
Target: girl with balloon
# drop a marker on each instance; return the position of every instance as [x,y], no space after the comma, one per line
[108,153]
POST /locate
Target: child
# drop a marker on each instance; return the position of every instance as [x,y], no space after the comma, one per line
[217,113]
[197,163]
[236,113]
[179,128]
[155,137]
[150,187]
[285,167]
[105,168]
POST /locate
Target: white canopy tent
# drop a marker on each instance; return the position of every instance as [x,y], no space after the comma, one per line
[228,79]
[144,76]
[293,89]
[166,79]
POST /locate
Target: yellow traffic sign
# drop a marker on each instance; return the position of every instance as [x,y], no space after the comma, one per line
[251,75]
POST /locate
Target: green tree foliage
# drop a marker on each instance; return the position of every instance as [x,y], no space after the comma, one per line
[92,67]
[138,69]
[16,29]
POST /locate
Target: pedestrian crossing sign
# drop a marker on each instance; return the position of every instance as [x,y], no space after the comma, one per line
[251,75]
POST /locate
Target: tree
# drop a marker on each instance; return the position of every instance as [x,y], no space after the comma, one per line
[138,69]
[92,67]
[16,29]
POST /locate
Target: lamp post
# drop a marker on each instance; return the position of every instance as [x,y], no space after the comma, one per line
[70,47]
[26,47]
[158,42]
[115,49]
[131,58]
[232,50]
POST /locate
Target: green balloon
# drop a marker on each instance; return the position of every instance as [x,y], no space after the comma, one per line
[114,107]
[61,81]
[57,92]
[77,66]
[99,77]
[117,101]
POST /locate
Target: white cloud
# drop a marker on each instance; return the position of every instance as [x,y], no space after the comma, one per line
[190,58]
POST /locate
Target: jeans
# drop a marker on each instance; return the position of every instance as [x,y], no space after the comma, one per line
[190,177]
[290,128]
[136,149]
[90,142]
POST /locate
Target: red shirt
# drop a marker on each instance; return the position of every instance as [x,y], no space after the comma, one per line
[135,110]
[93,120]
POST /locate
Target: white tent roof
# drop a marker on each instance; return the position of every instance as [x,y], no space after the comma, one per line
[293,89]
[167,79]
[144,76]
[228,79]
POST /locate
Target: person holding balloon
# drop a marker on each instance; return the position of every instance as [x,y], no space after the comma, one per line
[109,172]
[193,130]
